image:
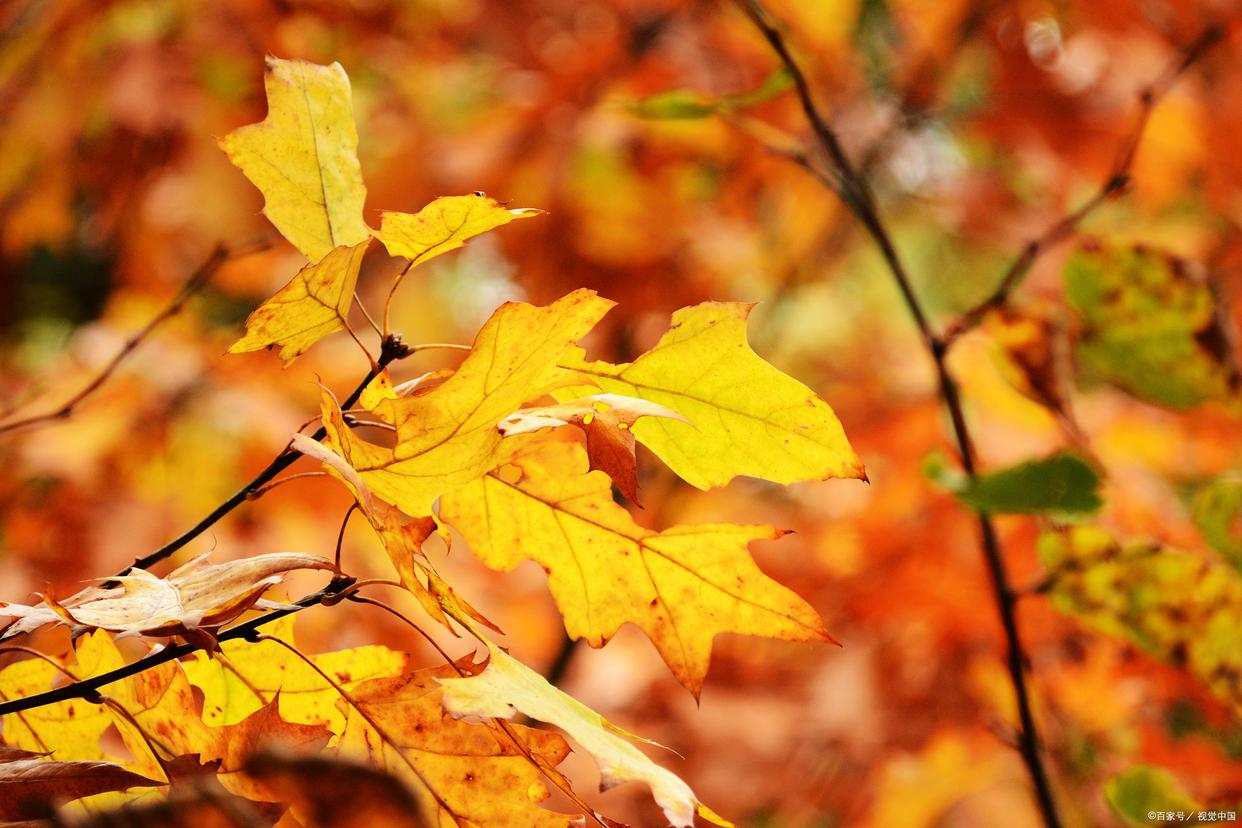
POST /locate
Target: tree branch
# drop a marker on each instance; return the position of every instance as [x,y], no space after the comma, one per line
[1115,184]
[855,192]
[392,350]
[89,688]
[202,274]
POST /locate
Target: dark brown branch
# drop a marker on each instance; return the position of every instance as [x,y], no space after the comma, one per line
[89,688]
[856,194]
[1115,183]
[393,349]
[197,280]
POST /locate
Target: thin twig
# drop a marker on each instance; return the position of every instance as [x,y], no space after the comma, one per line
[197,280]
[854,191]
[1115,184]
[340,536]
[87,688]
[393,350]
[262,490]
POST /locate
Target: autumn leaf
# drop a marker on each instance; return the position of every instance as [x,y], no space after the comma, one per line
[32,788]
[234,746]
[303,157]
[462,773]
[443,225]
[315,303]
[748,417]
[447,437]
[1176,605]
[194,599]
[681,586]
[243,677]
[327,791]
[401,536]
[1149,326]
[508,687]
[606,419]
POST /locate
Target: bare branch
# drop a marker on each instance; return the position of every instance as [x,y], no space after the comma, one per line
[854,191]
[393,349]
[1115,184]
[197,280]
[88,688]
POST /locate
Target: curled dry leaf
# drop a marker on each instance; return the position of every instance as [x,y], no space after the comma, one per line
[606,419]
[508,686]
[32,788]
[193,600]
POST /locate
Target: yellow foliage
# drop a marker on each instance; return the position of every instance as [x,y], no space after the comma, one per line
[443,225]
[315,303]
[303,157]
[748,418]
[681,586]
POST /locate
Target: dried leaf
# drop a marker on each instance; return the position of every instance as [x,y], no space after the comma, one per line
[32,788]
[194,599]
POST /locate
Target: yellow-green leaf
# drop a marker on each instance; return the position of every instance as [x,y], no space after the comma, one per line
[443,225]
[507,687]
[681,586]
[748,418]
[448,437]
[315,303]
[1181,607]
[245,676]
[303,157]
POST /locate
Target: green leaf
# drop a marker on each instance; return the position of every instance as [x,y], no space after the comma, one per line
[1063,484]
[1144,790]
[682,104]
[1149,327]
[1217,511]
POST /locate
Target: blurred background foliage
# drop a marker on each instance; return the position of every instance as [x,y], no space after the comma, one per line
[634,124]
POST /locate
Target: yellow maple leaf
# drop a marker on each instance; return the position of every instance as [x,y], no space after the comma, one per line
[507,687]
[313,304]
[447,437]
[70,728]
[443,225]
[681,586]
[303,157]
[748,417]
[462,773]
[245,676]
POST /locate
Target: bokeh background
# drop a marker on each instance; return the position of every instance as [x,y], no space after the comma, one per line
[981,123]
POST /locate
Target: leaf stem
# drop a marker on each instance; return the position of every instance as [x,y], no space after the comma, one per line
[393,349]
